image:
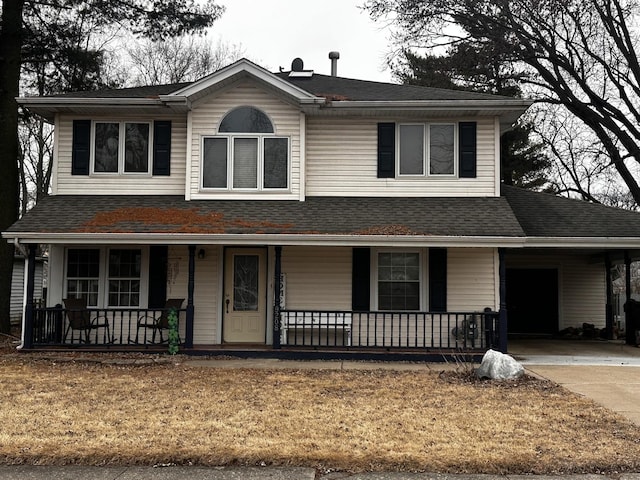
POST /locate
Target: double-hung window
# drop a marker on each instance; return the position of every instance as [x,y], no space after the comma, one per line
[105,277]
[121,147]
[83,274]
[398,281]
[427,149]
[124,277]
[246,154]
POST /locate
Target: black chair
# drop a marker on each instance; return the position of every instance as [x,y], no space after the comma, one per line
[80,319]
[158,323]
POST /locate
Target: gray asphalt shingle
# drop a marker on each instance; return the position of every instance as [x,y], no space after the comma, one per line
[317,215]
[517,213]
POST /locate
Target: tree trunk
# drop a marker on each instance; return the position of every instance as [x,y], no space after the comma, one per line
[10,50]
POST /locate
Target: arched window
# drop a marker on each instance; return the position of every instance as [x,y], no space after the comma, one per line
[246,120]
[245,155]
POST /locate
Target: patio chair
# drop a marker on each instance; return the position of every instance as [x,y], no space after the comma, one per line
[80,319]
[157,323]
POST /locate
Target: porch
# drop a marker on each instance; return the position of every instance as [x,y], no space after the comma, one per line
[299,334]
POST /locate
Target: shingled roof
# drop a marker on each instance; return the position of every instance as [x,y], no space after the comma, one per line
[450,217]
[547,215]
[333,88]
[340,88]
[516,214]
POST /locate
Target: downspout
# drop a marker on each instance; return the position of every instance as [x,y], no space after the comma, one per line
[21,248]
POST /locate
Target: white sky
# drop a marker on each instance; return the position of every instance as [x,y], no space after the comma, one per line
[274,32]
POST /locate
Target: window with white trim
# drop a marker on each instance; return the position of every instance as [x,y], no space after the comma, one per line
[124,277]
[83,274]
[427,149]
[121,147]
[245,155]
[106,277]
[398,280]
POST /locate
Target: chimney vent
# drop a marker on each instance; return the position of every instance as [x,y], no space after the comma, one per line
[297,65]
[334,56]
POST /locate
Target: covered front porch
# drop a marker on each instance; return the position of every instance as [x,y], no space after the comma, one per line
[301,328]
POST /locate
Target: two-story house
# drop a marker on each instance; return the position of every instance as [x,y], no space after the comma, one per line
[293,209]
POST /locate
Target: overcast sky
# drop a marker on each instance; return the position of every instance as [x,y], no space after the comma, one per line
[274,32]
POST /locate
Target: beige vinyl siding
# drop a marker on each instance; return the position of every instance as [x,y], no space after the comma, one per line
[471,279]
[206,290]
[317,278]
[207,115]
[470,288]
[584,292]
[126,184]
[342,160]
[582,285]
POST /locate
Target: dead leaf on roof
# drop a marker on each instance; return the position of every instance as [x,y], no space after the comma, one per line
[174,220]
[387,230]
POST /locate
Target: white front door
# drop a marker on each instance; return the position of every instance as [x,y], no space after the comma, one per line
[245,295]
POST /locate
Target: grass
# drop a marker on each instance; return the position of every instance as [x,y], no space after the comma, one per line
[84,412]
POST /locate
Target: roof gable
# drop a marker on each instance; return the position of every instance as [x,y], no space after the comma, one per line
[231,74]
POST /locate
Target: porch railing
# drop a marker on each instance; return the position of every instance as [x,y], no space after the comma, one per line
[405,330]
[106,327]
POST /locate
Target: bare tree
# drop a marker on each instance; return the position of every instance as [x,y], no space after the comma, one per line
[179,59]
[581,54]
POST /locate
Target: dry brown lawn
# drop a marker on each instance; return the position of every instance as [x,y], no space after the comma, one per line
[84,412]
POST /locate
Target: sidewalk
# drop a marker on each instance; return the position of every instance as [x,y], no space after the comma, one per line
[22,472]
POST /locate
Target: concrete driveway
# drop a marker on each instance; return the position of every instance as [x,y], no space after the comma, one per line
[606,372]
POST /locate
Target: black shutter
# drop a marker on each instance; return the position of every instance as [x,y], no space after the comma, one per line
[81,147]
[158,259]
[467,150]
[360,275]
[386,150]
[162,147]
[437,280]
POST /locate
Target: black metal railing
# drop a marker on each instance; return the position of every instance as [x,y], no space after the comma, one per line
[382,329]
[102,327]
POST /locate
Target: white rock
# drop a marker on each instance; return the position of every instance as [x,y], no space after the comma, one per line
[499,366]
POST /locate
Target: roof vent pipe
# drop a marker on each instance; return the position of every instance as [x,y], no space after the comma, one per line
[334,56]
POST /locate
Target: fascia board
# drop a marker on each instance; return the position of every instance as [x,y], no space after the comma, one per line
[65,102]
[47,107]
[273,239]
[496,105]
[608,243]
[245,66]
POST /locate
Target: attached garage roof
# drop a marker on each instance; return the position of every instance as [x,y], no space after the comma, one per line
[547,215]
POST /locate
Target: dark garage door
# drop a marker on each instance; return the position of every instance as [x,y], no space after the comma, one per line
[532,300]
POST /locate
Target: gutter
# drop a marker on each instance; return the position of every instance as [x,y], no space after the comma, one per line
[440,104]
[266,239]
[72,101]
[609,243]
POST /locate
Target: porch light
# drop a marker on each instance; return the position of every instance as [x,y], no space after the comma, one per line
[201,253]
